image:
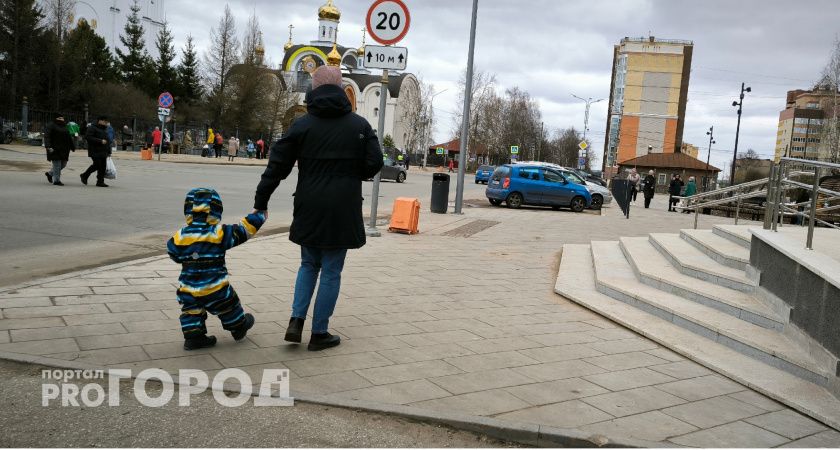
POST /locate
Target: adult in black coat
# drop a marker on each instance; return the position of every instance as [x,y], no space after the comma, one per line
[649,187]
[674,190]
[59,144]
[98,151]
[335,150]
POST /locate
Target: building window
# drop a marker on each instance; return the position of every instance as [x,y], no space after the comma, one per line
[661,180]
[375,112]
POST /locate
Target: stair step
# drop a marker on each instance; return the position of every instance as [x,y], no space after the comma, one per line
[576,281]
[653,269]
[738,234]
[718,248]
[615,277]
[697,264]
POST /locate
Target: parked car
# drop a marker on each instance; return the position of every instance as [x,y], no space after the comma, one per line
[8,130]
[589,177]
[535,184]
[600,195]
[483,173]
[392,171]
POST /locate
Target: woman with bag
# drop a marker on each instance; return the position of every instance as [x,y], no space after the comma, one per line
[233,148]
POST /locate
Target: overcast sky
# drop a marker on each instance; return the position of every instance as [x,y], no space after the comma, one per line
[555,48]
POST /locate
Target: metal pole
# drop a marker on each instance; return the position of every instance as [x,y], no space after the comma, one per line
[813,214]
[24,119]
[737,210]
[696,215]
[737,132]
[770,208]
[160,146]
[807,130]
[133,133]
[465,127]
[374,205]
[539,143]
[708,158]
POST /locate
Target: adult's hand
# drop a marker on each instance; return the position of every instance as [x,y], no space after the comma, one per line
[104,141]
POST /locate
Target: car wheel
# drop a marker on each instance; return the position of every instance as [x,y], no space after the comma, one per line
[578,204]
[495,202]
[400,177]
[597,201]
[514,200]
[477,182]
[7,137]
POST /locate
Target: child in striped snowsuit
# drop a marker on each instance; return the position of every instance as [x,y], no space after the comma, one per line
[204,287]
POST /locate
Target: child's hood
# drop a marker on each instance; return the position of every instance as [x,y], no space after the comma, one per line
[203,206]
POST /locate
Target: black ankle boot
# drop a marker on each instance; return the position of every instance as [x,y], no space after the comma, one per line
[295,331]
[322,341]
[199,342]
[240,333]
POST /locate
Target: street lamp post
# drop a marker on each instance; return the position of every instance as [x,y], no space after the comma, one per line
[589,103]
[740,104]
[711,134]
[465,128]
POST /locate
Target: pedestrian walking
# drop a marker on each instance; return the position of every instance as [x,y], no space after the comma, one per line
[203,284]
[260,148]
[59,143]
[188,141]
[649,188]
[98,151]
[112,137]
[251,149]
[233,148]
[218,144]
[451,165]
[635,184]
[167,141]
[157,140]
[335,150]
[401,159]
[690,189]
[407,162]
[674,191]
[126,137]
[211,140]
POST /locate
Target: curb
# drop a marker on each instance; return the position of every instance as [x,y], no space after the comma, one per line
[524,433]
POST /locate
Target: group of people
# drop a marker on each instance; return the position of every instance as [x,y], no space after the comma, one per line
[647,186]
[335,150]
[216,144]
[59,141]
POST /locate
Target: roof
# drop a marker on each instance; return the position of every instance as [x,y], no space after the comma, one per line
[669,161]
[364,80]
[455,146]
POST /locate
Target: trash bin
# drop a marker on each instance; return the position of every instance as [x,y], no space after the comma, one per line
[440,193]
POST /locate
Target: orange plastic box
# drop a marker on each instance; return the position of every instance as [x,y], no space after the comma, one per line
[406,216]
[146,154]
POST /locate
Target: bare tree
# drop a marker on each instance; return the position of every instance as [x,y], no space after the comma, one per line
[219,59]
[251,40]
[59,16]
[483,86]
[830,135]
[415,116]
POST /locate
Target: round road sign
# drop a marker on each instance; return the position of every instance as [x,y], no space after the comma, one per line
[388,21]
[165,100]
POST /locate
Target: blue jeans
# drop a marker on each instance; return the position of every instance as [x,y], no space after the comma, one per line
[329,263]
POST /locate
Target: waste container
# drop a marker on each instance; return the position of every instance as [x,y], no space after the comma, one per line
[440,193]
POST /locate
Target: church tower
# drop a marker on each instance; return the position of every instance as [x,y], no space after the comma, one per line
[328,18]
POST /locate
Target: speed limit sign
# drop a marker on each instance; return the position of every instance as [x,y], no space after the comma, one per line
[388,21]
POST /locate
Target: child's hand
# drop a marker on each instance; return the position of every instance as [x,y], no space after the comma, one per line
[264,213]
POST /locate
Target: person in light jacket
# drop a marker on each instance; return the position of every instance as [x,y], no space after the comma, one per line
[233,147]
[635,184]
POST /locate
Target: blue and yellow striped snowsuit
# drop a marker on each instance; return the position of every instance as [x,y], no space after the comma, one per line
[200,249]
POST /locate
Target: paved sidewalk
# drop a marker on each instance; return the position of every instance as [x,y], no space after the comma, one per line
[459,319]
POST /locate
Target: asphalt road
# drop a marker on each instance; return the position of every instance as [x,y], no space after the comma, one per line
[47,230]
[25,423]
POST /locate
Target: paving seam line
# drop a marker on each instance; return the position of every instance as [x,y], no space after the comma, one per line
[531,434]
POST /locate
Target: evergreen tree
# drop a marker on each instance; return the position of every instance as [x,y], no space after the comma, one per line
[87,62]
[135,65]
[22,36]
[166,73]
[188,75]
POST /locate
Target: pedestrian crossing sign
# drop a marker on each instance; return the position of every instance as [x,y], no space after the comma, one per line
[440,151]
[514,149]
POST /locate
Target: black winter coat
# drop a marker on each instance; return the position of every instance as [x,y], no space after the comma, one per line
[649,186]
[335,150]
[57,138]
[676,187]
[94,135]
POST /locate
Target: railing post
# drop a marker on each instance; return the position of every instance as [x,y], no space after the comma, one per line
[769,210]
[696,215]
[813,214]
[778,210]
[737,210]
[24,119]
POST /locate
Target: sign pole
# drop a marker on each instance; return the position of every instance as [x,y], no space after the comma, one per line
[465,127]
[372,231]
[160,147]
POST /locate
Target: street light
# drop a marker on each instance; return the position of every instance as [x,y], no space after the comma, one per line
[740,105]
[589,103]
[711,134]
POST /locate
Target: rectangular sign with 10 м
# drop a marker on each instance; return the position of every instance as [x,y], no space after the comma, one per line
[382,57]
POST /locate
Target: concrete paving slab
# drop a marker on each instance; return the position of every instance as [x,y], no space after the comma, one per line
[633,401]
[682,369]
[484,403]
[489,361]
[826,439]
[398,393]
[481,381]
[556,391]
[570,414]
[328,383]
[625,361]
[701,387]
[34,334]
[396,373]
[787,423]
[559,370]
[628,379]
[651,426]
[404,355]
[713,412]
[733,435]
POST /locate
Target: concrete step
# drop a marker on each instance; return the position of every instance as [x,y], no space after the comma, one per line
[718,248]
[576,281]
[653,269]
[738,234]
[697,264]
[615,277]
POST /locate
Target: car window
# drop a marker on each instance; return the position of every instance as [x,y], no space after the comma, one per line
[553,177]
[574,178]
[500,173]
[486,168]
[531,173]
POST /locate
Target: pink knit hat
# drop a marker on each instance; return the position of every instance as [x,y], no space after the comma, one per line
[326,75]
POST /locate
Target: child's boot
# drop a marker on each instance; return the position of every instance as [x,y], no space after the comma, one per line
[196,343]
[240,332]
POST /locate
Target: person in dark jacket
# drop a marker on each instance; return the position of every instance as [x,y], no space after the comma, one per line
[98,151]
[649,187]
[335,150]
[674,190]
[59,144]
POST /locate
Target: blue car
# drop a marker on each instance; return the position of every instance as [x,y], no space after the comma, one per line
[482,175]
[535,184]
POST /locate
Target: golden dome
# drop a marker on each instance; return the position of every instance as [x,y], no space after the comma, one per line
[329,12]
[288,46]
[361,51]
[333,57]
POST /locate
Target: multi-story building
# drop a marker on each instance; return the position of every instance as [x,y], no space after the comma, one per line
[108,19]
[801,123]
[690,150]
[648,95]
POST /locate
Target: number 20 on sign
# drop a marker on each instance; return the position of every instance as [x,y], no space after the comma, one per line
[388,21]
